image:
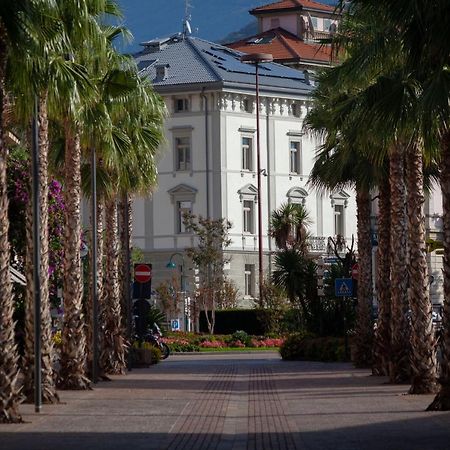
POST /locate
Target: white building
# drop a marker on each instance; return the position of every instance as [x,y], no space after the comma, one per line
[208,163]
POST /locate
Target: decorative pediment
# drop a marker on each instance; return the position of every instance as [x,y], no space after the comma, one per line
[248,192]
[297,195]
[340,194]
[339,197]
[182,192]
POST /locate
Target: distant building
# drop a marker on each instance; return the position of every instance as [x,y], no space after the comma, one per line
[208,164]
[291,30]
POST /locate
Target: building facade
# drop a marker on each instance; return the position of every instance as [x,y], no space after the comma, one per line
[292,30]
[208,163]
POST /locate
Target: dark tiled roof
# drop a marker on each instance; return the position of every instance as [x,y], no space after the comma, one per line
[292,4]
[192,61]
[284,46]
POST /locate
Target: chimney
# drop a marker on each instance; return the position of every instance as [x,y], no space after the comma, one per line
[162,72]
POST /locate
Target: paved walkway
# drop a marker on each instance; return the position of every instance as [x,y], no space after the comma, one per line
[251,401]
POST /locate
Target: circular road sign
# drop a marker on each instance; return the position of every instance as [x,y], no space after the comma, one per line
[142,273]
[355,271]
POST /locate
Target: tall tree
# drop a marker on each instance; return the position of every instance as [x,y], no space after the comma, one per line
[81,25]
[19,24]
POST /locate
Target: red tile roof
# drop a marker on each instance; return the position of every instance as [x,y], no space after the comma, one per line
[284,46]
[292,4]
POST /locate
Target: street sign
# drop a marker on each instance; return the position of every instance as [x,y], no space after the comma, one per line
[355,271]
[330,260]
[175,324]
[142,273]
[343,287]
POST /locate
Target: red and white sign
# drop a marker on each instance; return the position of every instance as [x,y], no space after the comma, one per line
[142,273]
[355,271]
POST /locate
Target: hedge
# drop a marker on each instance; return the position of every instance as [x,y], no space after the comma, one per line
[252,321]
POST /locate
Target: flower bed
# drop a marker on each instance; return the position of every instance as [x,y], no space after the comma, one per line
[190,342]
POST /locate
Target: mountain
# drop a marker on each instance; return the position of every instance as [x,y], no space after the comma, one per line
[213,20]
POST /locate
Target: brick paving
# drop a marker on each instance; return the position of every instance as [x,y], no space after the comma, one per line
[245,401]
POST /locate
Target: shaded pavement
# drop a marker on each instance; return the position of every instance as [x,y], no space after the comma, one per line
[251,401]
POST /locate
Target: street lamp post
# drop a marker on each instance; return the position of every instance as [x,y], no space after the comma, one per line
[36,262]
[172,265]
[256,59]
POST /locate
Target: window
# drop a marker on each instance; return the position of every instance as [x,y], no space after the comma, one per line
[249,280]
[315,22]
[339,220]
[182,198]
[181,105]
[247,153]
[295,109]
[183,153]
[339,201]
[294,157]
[326,24]
[248,216]
[183,207]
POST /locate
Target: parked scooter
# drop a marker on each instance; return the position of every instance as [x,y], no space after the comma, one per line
[154,337]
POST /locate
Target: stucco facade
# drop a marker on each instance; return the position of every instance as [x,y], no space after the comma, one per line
[231,121]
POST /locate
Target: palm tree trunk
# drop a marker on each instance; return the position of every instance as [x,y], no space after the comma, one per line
[9,394]
[73,351]
[364,330]
[381,352]
[442,400]
[126,215]
[49,394]
[89,307]
[399,370]
[28,356]
[113,354]
[126,223]
[423,345]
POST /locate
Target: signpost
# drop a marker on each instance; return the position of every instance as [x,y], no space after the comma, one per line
[343,287]
[142,273]
[142,288]
[175,324]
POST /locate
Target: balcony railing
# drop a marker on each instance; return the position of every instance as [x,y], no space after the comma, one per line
[321,244]
[317,244]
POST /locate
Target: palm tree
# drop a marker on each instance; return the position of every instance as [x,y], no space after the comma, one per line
[288,226]
[19,24]
[81,25]
[391,101]
[340,163]
[382,338]
[126,134]
[39,72]
[295,273]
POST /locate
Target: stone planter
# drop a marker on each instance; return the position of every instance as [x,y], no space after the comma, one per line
[141,357]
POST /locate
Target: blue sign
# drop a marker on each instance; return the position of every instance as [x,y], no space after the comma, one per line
[175,324]
[343,287]
[331,260]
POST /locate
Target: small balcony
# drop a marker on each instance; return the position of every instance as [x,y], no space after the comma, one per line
[317,244]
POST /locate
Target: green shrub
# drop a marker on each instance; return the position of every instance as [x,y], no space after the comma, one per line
[302,346]
[156,354]
[243,337]
[176,347]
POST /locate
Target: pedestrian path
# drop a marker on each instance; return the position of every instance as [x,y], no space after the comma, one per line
[250,401]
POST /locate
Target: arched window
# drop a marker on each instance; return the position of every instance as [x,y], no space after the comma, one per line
[297,195]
